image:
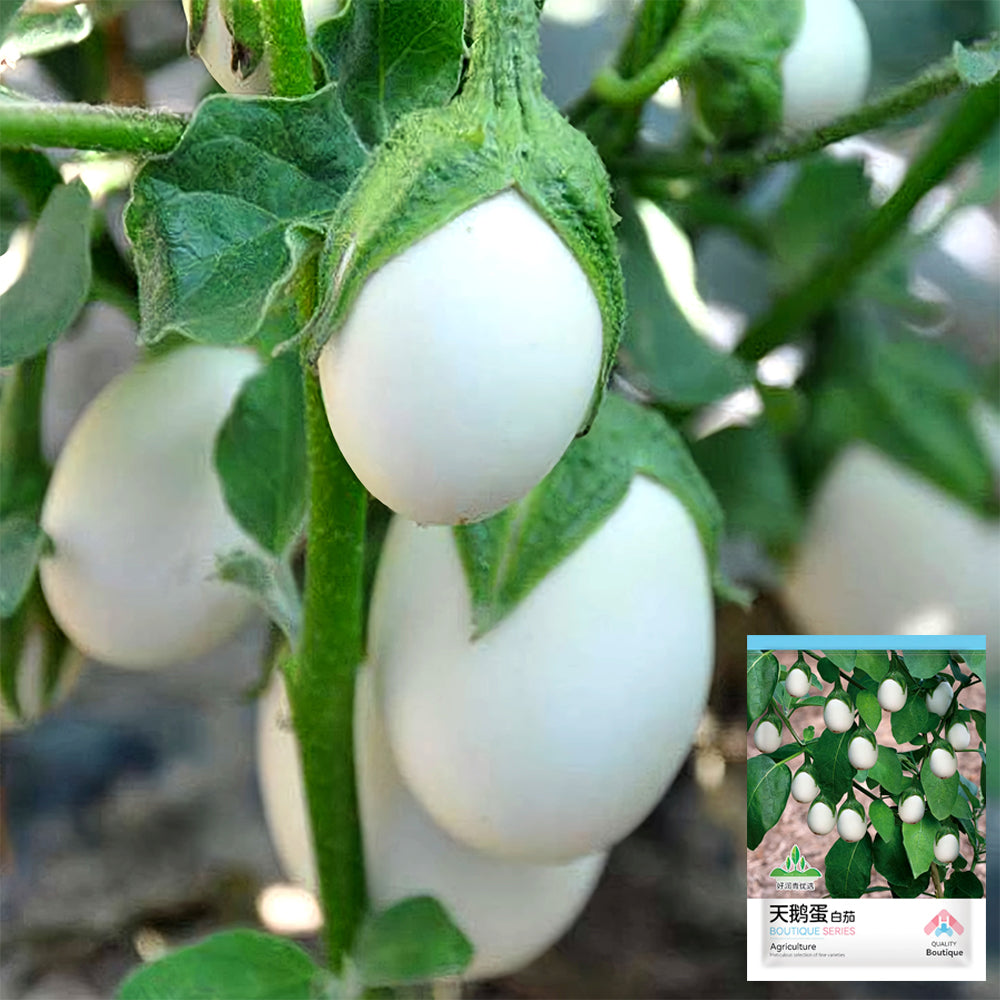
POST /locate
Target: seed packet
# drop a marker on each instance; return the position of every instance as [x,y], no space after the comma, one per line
[866,807]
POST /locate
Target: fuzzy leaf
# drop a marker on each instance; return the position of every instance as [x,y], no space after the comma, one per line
[37,31]
[762,677]
[40,306]
[768,785]
[661,351]
[216,224]
[849,868]
[887,772]
[925,665]
[976,66]
[260,455]
[413,941]
[271,583]
[390,58]
[834,772]
[507,555]
[232,965]
[911,720]
[22,542]
[940,793]
[918,840]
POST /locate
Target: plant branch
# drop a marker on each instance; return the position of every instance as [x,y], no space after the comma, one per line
[88,126]
[787,722]
[936,81]
[936,878]
[321,678]
[861,788]
[960,135]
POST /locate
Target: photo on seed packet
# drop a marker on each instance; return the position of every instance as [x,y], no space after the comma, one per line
[866,812]
[864,773]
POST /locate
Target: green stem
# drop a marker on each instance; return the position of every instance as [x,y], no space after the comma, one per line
[960,135]
[936,879]
[787,722]
[321,680]
[287,48]
[87,126]
[861,788]
[934,82]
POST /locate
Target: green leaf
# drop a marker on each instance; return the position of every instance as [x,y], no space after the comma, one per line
[661,351]
[826,203]
[411,942]
[768,785]
[762,677]
[939,792]
[22,542]
[232,965]
[907,401]
[888,772]
[976,66]
[834,772]
[849,868]
[828,670]
[884,821]
[844,659]
[808,733]
[975,660]
[507,555]
[34,32]
[963,885]
[979,718]
[918,840]
[874,663]
[962,809]
[270,581]
[8,11]
[260,455]
[869,709]
[786,752]
[392,58]
[925,665]
[750,475]
[217,224]
[40,306]
[911,720]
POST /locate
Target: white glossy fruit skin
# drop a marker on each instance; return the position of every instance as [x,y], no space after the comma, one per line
[838,716]
[766,737]
[466,365]
[940,701]
[850,825]
[512,912]
[911,809]
[136,514]
[959,736]
[804,787]
[943,763]
[946,848]
[797,683]
[886,552]
[820,819]
[891,695]
[555,733]
[826,69]
[861,753]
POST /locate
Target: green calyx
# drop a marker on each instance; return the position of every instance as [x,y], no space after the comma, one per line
[498,133]
[735,88]
[242,18]
[838,695]
[852,805]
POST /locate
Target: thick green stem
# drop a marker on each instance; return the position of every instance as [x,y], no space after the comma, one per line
[321,680]
[960,135]
[88,126]
[287,48]
[937,81]
[936,879]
